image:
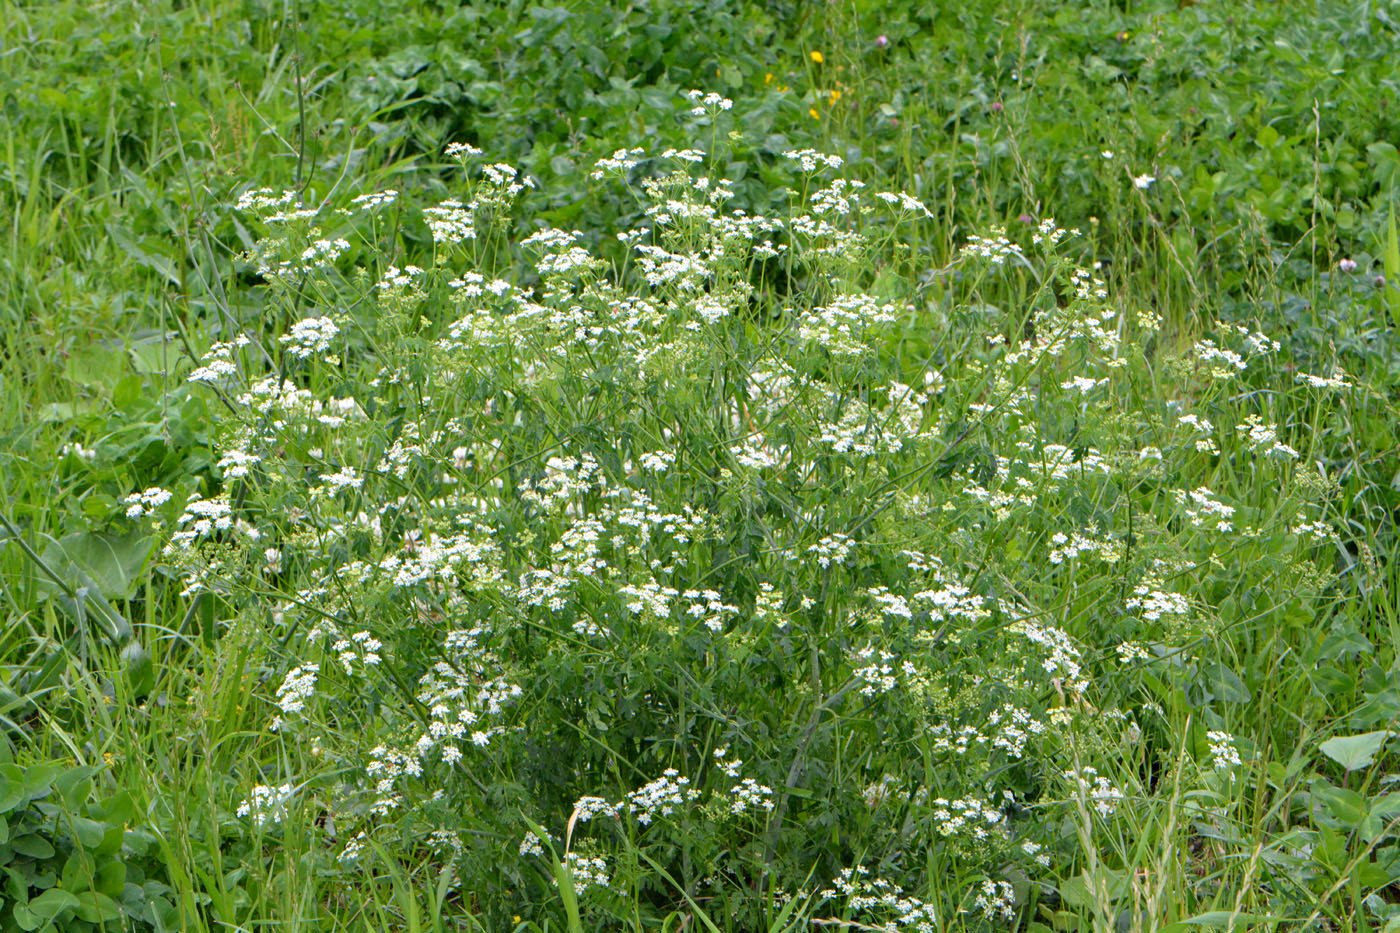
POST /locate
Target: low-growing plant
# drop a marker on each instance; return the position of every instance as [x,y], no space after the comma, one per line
[70,861]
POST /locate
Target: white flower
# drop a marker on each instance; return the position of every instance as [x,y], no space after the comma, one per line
[266,804]
[1143,181]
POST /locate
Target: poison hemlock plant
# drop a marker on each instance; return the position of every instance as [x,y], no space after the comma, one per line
[893,591]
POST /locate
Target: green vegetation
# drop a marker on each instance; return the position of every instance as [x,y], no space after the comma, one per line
[668,466]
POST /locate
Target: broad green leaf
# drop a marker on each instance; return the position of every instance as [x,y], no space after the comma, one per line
[1346,806]
[33,846]
[1353,752]
[39,778]
[74,786]
[52,902]
[95,907]
[89,832]
[112,562]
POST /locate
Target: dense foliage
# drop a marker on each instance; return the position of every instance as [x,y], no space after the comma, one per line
[458,475]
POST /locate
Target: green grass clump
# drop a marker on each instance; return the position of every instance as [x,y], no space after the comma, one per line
[459,477]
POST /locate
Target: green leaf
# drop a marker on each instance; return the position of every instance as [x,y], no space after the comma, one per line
[39,778]
[25,918]
[95,907]
[136,664]
[112,562]
[1219,918]
[1353,752]
[1347,807]
[89,832]
[74,786]
[12,793]
[52,902]
[36,847]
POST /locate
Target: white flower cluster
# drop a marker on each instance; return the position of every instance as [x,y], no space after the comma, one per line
[371,201]
[657,461]
[141,503]
[661,796]
[462,151]
[531,844]
[620,162]
[1316,530]
[996,900]
[1047,231]
[876,674]
[957,743]
[1083,384]
[503,185]
[361,648]
[1205,511]
[809,160]
[263,199]
[650,599]
[1154,604]
[450,223]
[1062,657]
[1014,727]
[970,817]
[1067,548]
[1338,380]
[310,336]
[203,518]
[831,550]
[996,248]
[952,601]
[297,687]
[905,202]
[585,808]
[386,766]
[1096,789]
[707,607]
[747,793]
[842,326]
[395,278]
[756,454]
[1224,755]
[587,872]
[1263,439]
[458,692]
[866,895]
[218,363]
[266,804]
[1202,430]
[707,103]
[236,464]
[1219,362]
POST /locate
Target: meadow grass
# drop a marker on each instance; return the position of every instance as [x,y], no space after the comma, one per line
[670,467]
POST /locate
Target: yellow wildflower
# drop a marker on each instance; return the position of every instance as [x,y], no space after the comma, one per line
[813,112]
[817,58]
